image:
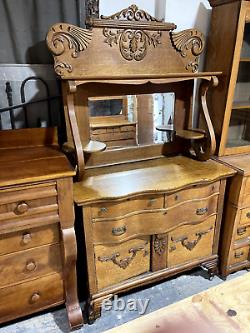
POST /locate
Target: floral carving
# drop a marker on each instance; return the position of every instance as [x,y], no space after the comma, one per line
[133,43]
[132,13]
[187,41]
[160,244]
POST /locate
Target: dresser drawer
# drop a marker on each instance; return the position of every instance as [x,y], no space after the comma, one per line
[191,242]
[196,192]
[19,203]
[193,211]
[239,255]
[242,232]
[245,216]
[29,238]
[31,296]
[29,264]
[116,263]
[120,208]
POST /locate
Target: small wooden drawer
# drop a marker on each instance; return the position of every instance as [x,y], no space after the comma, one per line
[29,264]
[117,263]
[191,242]
[194,210]
[242,232]
[245,216]
[29,238]
[197,192]
[26,298]
[239,255]
[24,202]
[120,208]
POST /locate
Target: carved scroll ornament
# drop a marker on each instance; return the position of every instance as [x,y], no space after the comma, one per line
[66,37]
[132,13]
[189,42]
[124,263]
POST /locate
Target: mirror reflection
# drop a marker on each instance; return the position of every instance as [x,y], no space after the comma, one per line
[132,120]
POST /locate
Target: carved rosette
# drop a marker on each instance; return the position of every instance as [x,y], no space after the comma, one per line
[66,37]
[133,44]
[160,244]
[189,42]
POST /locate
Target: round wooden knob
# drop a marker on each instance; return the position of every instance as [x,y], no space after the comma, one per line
[35,297]
[21,208]
[26,238]
[31,265]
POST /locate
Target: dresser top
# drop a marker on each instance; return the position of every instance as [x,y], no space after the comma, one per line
[241,163]
[160,175]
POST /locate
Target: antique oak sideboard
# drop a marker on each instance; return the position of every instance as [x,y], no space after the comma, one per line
[152,210]
[37,237]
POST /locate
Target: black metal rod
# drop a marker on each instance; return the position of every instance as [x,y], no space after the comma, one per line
[28,103]
[8,91]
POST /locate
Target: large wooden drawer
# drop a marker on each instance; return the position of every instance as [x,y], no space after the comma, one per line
[31,296]
[119,208]
[196,192]
[242,232]
[116,263]
[29,264]
[191,242]
[21,202]
[29,238]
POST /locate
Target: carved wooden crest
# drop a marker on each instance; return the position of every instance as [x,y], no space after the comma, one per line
[62,37]
[133,43]
[190,40]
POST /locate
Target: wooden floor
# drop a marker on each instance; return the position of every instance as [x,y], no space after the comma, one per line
[221,309]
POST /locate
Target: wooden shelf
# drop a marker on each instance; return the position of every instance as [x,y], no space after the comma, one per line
[184,134]
[94,147]
[238,105]
[245,59]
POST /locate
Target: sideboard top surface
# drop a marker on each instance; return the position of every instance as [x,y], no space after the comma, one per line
[159,175]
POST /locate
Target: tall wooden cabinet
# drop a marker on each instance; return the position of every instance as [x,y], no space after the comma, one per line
[228,50]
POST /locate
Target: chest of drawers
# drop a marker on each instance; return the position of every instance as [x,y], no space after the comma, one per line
[235,245]
[141,226]
[37,237]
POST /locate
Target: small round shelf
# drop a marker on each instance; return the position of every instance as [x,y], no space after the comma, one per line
[190,134]
[94,147]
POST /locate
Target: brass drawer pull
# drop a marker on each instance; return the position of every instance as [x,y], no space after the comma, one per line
[201,211]
[190,245]
[31,265]
[241,231]
[35,297]
[124,263]
[103,210]
[26,238]
[248,215]
[238,255]
[21,208]
[119,231]
[152,201]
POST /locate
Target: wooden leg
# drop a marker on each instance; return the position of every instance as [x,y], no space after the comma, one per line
[93,311]
[70,280]
[211,267]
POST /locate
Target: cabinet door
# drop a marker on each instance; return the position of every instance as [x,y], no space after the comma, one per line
[238,137]
[191,242]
